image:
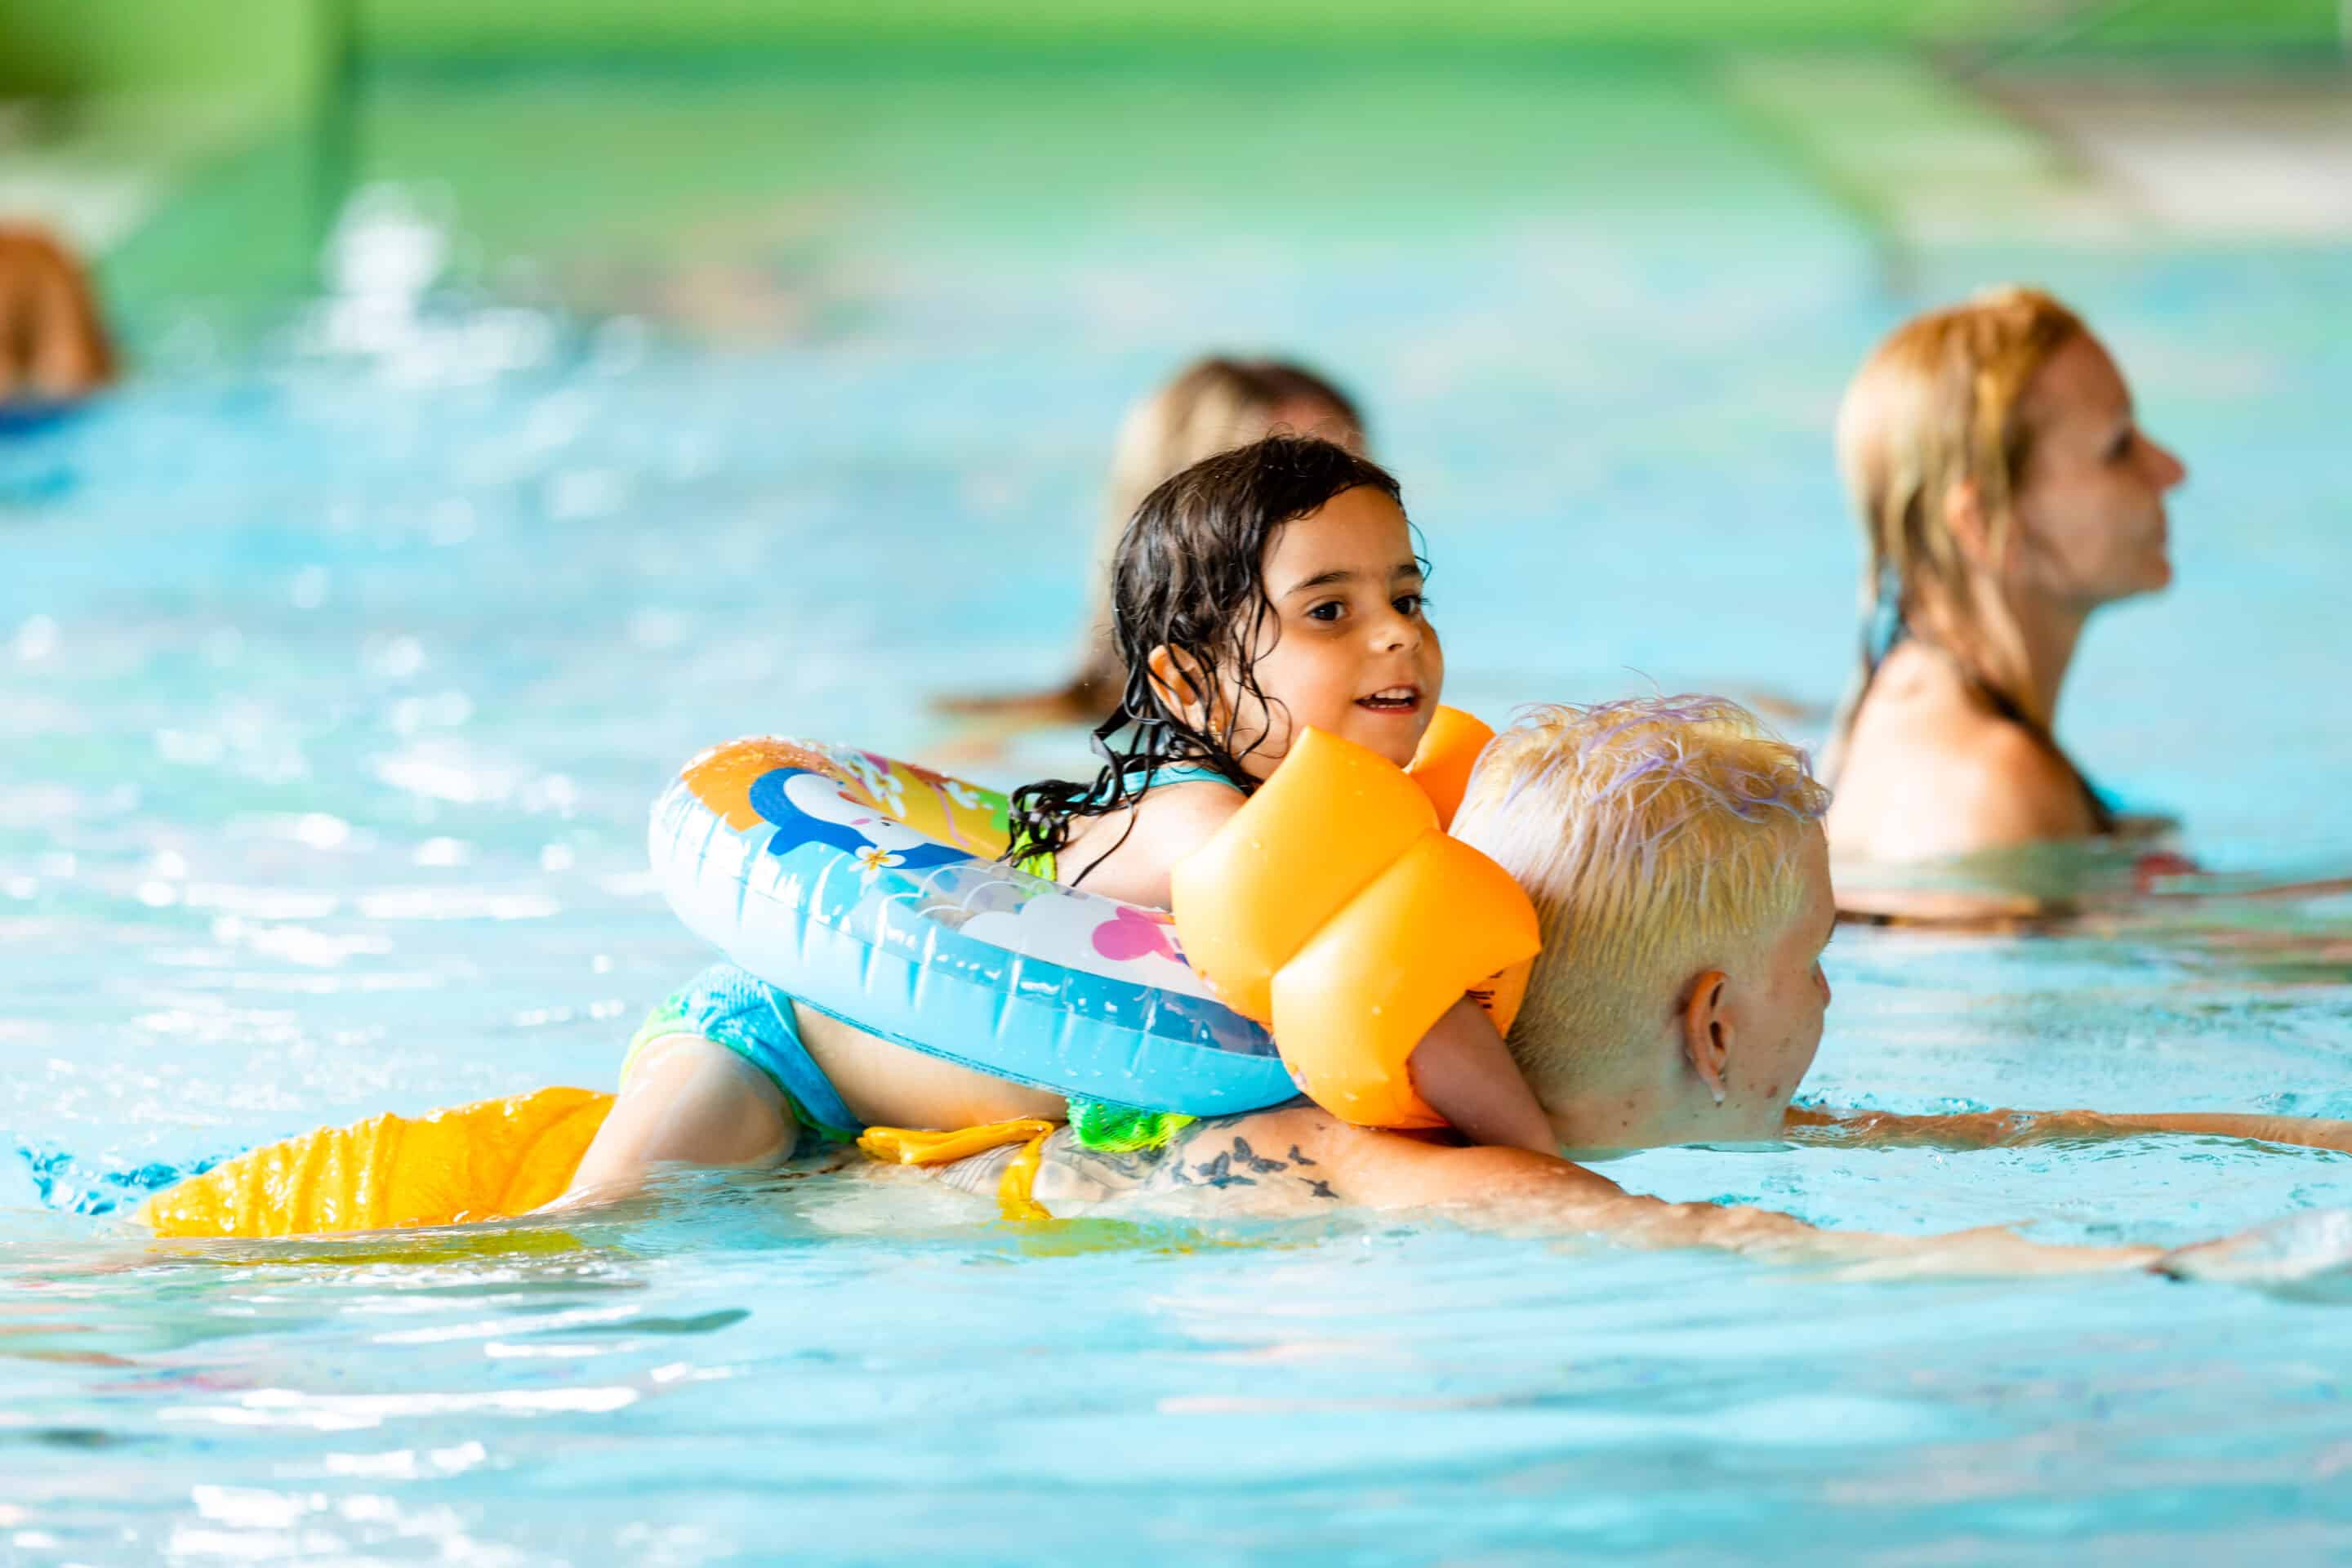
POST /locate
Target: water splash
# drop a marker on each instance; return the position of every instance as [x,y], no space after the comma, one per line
[72,1186]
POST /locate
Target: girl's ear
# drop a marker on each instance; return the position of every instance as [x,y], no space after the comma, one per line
[1180,684]
[1706,1030]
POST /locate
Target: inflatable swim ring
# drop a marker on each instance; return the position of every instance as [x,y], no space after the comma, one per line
[1334,908]
[869,889]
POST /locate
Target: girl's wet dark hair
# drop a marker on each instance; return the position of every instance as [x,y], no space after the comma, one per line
[1189,575]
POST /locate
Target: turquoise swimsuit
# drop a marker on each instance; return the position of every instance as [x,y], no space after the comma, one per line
[737,1009]
[1185,772]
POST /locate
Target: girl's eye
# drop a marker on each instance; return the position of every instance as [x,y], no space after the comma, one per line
[1411,605]
[1328,610]
[2120,447]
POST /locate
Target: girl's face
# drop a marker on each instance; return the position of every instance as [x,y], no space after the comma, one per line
[2090,503]
[1345,646]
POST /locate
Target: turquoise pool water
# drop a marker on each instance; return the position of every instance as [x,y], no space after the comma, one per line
[341,654]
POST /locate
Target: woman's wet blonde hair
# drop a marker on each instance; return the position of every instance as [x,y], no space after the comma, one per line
[1212,405]
[1937,405]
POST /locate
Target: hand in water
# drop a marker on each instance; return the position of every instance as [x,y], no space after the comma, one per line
[2299,1247]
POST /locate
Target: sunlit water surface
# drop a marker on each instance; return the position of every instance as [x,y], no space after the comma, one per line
[338,665]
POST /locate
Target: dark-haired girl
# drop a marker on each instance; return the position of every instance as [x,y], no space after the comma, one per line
[1256,594]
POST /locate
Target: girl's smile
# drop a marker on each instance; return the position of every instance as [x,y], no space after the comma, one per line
[1397,699]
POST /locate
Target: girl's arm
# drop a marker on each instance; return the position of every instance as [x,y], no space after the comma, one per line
[1467,1074]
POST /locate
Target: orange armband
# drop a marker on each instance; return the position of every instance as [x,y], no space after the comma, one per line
[1334,910]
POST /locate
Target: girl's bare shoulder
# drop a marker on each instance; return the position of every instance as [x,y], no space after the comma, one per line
[1130,855]
[1195,806]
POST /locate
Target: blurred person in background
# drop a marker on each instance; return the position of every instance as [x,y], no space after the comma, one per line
[54,349]
[1212,405]
[2005,492]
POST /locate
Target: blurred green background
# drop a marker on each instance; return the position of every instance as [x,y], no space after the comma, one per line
[282,54]
[202,152]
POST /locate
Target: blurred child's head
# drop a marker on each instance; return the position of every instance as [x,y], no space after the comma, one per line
[1269,588]
[1672,849]
[1213,405]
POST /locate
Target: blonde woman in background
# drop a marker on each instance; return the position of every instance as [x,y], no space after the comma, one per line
[2005,492]
[1212,405]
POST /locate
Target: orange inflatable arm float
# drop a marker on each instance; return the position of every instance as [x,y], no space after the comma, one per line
[1334,910]
[490,1160]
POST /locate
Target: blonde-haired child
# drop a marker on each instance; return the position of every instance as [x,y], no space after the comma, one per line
[1672,847]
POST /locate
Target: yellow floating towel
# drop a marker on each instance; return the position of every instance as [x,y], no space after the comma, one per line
[490,1160]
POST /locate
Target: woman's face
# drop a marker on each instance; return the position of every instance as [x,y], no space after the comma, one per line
[2090,504]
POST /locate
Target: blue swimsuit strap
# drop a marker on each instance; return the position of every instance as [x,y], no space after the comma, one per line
[1185,772]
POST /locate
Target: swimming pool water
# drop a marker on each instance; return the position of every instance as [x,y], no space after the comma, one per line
[341,653]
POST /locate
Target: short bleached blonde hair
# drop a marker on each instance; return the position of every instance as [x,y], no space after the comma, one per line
[1655,836]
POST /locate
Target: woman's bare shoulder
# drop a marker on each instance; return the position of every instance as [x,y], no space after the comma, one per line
[1980,784]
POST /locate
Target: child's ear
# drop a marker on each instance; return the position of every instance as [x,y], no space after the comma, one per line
[1180,684]
[1706,1030]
